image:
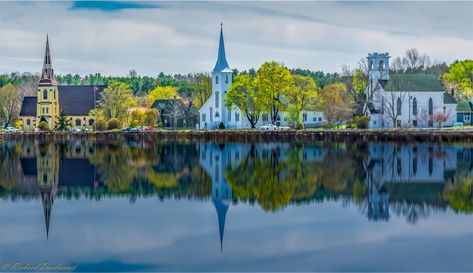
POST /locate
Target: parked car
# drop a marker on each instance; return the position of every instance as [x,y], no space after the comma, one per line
[127,129]
[75,130]
[11,130]
[268,127]
[147,129]
[284,128]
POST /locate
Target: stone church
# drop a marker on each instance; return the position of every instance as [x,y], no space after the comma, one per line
[75,100]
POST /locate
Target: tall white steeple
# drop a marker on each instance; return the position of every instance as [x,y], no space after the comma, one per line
[222,64]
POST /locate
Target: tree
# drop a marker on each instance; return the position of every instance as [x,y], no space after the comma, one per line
[356,82]
[203,88]
[150,117]
[460,79]
[302,96]
[335,103]
[162,92]
[10,102]
[244,96]
[274,82]
[63,123]
[440,117]
[115,101]
[114,123]
[393,100]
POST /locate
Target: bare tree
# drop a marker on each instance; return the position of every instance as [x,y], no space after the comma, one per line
[393,101]
[415,61]
[397,65]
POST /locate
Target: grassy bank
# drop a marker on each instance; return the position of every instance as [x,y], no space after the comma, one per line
[241,135]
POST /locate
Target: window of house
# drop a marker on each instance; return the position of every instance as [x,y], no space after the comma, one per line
[431,106]
[399,106]
[304,117]
[320,118]
[226,79]
[265,117]
[28,122]
[91,122]
[45,94]
[211,114]
[203,117]
[414,123]
[216,99]
[217,114]
[77,122]
[237,117]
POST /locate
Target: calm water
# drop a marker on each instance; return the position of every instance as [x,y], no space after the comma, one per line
[145,206]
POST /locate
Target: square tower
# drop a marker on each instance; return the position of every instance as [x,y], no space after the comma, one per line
[378,66]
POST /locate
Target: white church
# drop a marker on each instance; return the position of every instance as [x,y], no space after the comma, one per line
[406,100]
[214,111]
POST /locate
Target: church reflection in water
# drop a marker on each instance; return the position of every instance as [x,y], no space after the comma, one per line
[408,180]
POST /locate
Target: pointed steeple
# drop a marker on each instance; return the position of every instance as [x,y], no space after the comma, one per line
[47,197]
[221,214]
[47,75]
[222,64]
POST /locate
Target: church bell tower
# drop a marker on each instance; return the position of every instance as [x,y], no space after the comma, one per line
[48,97]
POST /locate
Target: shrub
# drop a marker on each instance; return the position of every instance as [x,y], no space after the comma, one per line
[299,126]
[362,122]
[114,123]
[43,126]
[100,125]
[150,117]
[221,126]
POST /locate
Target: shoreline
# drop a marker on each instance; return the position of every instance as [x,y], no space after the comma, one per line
[255,135]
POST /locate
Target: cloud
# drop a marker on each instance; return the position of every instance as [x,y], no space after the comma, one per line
[181,37]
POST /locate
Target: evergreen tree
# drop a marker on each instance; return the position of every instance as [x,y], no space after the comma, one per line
[63,123]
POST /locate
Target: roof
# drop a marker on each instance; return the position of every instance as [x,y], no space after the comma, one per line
[28,108]
[448,98]
[78,100]
[222,64]
[464,106]
[163,104]
[419,82]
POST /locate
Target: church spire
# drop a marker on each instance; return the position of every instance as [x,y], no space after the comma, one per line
[47,75]
[222,64]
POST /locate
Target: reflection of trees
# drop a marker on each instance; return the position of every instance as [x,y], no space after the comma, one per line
[9,169]
[460,195]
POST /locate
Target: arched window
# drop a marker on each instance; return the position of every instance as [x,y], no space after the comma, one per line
[226,78]
[216,79]
[414,165]
[399,106]
[45,94]
[77,122]
[370,64]
[91,122]
[414,107]
[381,65]
[431,106]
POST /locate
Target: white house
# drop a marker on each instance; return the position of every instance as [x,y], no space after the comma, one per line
[405,100]
[214,111]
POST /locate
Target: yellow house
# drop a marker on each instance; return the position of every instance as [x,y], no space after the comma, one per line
[75,100]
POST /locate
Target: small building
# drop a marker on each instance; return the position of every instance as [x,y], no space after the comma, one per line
[174,113]
[406,100]
[465,112]
[75,100]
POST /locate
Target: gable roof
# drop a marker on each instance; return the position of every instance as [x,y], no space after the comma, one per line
[448,98]
[163,104]
[464,106]
[419,82]
[28,108]
[78,100]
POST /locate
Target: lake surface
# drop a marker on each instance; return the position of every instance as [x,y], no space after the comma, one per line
[138,205]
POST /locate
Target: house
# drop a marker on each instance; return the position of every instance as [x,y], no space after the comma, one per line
[406,100]
[174,113]
[75,100]
[465,112]
[214,112]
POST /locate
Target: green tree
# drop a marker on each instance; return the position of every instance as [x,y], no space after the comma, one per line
[274,82]
[150,117]
[244,95]
[162,92]
[63,123]
[115,101]
[335,103]
[10,102]
[460,79]
[302,96]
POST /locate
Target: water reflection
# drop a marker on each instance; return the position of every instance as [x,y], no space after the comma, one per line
[410,180]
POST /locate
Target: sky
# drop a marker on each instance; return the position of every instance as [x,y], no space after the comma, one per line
[112,38]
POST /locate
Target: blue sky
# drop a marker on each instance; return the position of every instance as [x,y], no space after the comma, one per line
[181,37]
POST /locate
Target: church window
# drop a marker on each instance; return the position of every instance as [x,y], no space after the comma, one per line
[203,117]
[28,122]
[216,99]
[54,94]
[45,94]
[399,106]
[216,79]
[431,106]
[229,115]
[211,114]
[304,117]
[237,117]
[217,114]
[370,64]
[381,65]
[226,78]
[91,122]
[77,122]
[414,107]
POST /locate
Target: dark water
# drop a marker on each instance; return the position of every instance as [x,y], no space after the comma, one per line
[143,206]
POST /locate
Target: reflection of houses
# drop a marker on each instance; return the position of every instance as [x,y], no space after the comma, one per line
[416,172]
[174,113]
